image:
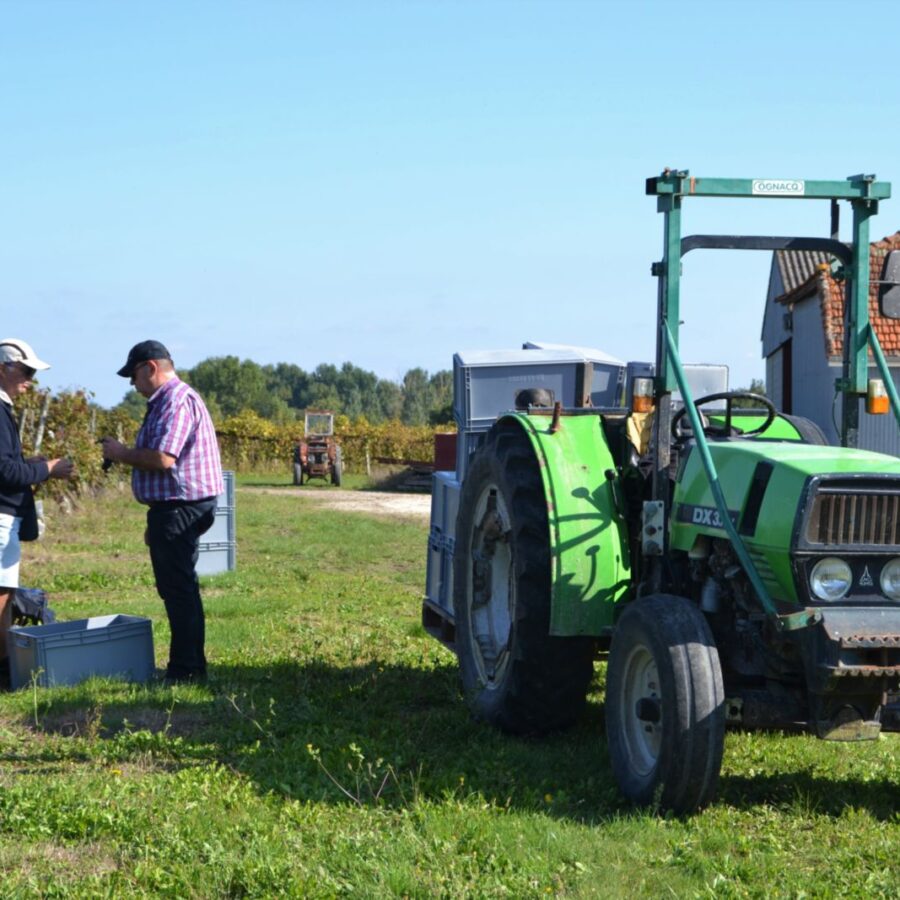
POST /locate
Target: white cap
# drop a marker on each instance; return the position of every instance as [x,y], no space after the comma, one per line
[14,350]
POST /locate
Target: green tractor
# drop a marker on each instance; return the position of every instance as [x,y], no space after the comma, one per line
[730,565]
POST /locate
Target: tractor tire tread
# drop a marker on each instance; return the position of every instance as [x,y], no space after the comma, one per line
[546,684]
[687,771]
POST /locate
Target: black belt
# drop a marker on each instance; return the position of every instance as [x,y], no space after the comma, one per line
[174,504]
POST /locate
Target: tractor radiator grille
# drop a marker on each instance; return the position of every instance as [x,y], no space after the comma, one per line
[855,518]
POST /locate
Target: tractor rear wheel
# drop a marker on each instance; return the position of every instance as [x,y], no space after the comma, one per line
[514,673]
[665,708]
[337,468]
[298,473]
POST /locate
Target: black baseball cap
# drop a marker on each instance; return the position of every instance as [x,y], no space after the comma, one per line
[142,352]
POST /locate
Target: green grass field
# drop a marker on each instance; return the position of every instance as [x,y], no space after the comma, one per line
[331,753]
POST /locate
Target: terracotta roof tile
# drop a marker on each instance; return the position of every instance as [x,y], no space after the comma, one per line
[797,267]
[831,297]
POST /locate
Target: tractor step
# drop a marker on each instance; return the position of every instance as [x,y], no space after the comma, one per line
[436,622]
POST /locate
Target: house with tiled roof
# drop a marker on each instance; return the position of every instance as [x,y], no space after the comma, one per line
[802,338]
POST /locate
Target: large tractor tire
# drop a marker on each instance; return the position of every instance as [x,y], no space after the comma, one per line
[515,675]
[665,707]
[808,430]
[337,468]
[298,474]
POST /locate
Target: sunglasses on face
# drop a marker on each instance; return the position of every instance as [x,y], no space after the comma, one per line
[27,371]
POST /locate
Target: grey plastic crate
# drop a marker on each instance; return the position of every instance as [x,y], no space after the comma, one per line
[485,383]
[216,557]
[116,646]
[226,498]
[702,379]
[441,540]
[444,502]
[223,529]
[466,444]
[217,549]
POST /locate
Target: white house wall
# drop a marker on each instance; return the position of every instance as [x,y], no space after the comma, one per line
[816,400]
[773,330]
[813,379]
[880,433]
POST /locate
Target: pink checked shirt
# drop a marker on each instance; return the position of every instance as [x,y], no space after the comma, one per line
[178,423]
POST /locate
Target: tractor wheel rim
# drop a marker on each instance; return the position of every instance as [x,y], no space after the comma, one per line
[492,587]
[641,690]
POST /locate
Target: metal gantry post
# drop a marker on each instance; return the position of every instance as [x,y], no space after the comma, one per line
[855,373]
[669,272]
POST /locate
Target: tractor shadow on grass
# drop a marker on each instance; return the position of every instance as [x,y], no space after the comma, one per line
[810,794]
[367,734]
[385,733]
[375,734]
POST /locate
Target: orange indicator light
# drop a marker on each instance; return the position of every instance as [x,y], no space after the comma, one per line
[642,395]
[877,401]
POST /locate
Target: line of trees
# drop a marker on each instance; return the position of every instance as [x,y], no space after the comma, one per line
[281,392]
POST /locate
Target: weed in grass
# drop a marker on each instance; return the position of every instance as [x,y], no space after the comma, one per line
[369,781]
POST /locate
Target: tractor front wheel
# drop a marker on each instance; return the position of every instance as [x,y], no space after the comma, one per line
[665,708]
[514,673]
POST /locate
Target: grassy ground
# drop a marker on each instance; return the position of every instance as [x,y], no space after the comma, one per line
[331,753]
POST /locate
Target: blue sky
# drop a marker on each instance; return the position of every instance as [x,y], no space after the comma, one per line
[390,182]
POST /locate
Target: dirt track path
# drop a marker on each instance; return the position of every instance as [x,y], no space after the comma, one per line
[379,503]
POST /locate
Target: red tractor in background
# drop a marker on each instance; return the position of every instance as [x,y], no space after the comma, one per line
[318,455]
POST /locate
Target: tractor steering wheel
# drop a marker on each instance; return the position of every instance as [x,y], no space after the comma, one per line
[726,429]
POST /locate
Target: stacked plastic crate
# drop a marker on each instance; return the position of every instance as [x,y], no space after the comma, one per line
[218,549]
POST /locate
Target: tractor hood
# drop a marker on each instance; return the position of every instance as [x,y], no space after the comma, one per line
[765,486]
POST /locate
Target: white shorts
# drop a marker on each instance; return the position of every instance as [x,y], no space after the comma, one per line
[10,550]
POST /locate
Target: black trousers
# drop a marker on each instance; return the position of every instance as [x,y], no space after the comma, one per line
[173,536]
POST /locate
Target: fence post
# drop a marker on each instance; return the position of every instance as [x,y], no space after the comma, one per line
[42,421]
[24,416]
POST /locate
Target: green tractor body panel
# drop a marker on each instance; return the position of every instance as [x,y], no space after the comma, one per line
[768,532]
[781,428]
[591,568]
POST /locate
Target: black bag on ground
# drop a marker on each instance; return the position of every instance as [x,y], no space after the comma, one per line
[29,607]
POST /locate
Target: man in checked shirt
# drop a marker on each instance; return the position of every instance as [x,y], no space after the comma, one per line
[177,474]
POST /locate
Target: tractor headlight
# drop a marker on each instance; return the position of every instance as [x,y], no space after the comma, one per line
[890,579]
[831,577]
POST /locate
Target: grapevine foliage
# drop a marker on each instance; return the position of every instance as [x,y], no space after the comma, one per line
[68,424]
[249,442]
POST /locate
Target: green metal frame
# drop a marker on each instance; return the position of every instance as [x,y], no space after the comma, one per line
[671,188]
